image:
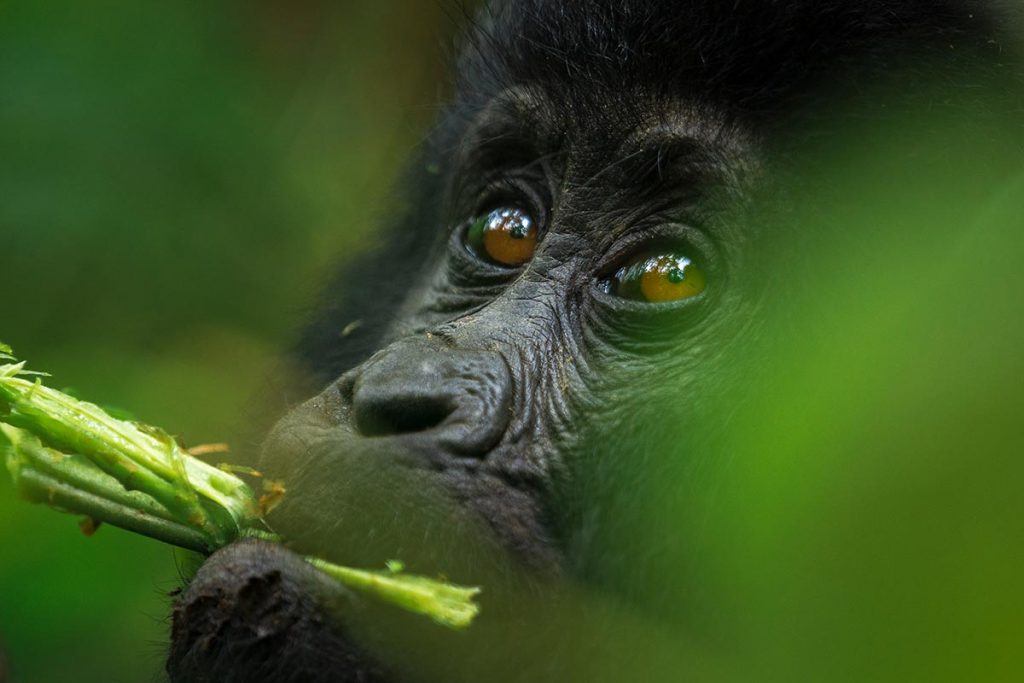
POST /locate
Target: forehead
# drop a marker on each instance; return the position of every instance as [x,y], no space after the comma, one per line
[652,140]
[580,85]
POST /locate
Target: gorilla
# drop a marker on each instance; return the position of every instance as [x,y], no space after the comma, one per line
[526,383]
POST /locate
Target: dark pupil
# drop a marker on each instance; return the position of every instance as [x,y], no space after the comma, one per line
[675,276]
[519,230]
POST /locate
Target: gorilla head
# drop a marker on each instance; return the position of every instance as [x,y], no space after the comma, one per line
[552,321]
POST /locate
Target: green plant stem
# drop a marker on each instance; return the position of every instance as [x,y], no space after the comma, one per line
[74,470]
[144,460]
[71,483]
[74,456]
[446,604]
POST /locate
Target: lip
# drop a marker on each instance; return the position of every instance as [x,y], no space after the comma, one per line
[362,501]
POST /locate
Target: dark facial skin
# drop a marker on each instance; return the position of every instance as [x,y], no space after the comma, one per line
[494,422]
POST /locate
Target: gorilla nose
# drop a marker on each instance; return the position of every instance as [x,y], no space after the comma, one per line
[458,400]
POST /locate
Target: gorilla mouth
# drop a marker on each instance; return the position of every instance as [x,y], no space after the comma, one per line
[412,493]
[257,611]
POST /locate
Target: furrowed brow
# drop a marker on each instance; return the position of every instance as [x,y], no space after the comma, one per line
[669,162]
[504,134]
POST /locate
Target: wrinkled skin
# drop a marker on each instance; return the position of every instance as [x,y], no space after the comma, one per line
[495,424]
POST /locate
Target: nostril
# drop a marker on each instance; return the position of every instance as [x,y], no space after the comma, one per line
[393,415]
[347,385]
[452,401]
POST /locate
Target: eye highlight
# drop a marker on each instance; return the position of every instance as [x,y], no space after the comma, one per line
[505,236]
[658,278]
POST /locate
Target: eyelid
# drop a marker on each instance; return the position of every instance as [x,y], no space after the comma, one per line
[468,270]
[502,188]
[650,309]
[670,236]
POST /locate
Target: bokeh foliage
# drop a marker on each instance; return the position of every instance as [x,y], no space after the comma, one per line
[173,184]
[175,181]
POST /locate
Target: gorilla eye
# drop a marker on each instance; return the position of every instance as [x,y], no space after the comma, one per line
[658,278]
[505,236]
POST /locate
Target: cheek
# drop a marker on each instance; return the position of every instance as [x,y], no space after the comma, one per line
[641,475]
[624,409]
[641,423]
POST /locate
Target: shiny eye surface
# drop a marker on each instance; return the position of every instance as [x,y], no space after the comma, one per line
[658,278]
[505,236]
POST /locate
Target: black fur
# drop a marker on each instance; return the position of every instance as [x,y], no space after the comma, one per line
[552,100]
[770,64]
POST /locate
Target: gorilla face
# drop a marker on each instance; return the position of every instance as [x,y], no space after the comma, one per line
[509,350]
[576,267]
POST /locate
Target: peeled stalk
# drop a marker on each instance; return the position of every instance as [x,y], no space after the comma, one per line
[444,603]
[74,456]
[71,482]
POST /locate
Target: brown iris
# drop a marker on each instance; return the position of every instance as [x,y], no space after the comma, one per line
[505,236]
[659,278]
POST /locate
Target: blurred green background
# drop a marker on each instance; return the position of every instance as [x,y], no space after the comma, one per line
[175,181]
